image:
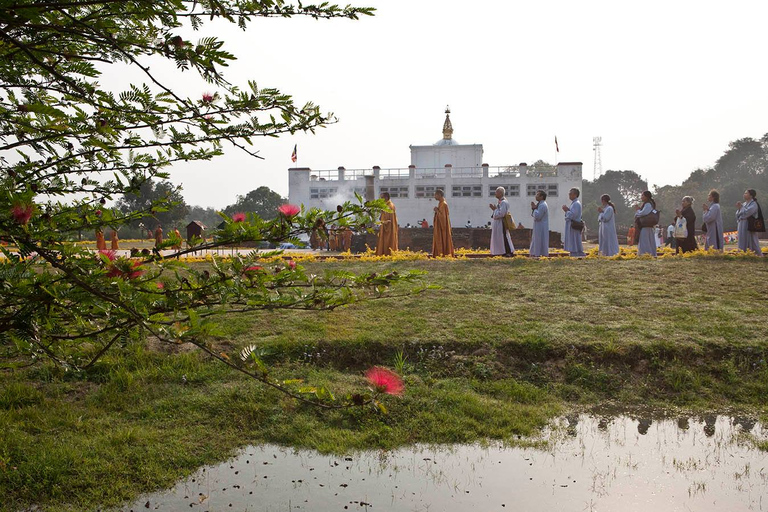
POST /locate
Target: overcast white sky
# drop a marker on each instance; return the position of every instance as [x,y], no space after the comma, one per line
[667,84]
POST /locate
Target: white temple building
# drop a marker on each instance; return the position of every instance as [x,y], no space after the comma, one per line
[458,169]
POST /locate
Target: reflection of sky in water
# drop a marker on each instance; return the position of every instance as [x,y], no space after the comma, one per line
[591,463]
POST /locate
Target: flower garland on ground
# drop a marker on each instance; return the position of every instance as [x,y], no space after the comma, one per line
[625,253]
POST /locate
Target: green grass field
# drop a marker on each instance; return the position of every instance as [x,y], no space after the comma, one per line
[498,350]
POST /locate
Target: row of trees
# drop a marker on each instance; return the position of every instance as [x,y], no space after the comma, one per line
[262,201]
[744,165]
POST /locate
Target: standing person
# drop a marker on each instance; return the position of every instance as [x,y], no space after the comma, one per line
[501,241]
[314,240]
[113,240]
[646,243]
[540,233]
[442,237]
[158,236]
[388,230]
[608,241]
[686,212]
[424,223]
[346,238]
[572,242]
[631,236]
[101,244]
[333,241]
[713,222]
[177,237]
[671,235]
[748,240]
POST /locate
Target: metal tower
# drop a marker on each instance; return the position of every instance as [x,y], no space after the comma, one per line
[597,142]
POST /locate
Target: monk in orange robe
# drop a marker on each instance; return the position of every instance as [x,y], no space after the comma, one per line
[346,238]
[114,241]
[442,238]
[177,235]
[158,236]
[333,238]
[388,230]
[631,236]
[101,244]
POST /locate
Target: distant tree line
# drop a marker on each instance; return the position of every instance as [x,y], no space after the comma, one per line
[263,201]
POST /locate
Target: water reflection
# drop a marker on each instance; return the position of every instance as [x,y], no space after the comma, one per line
[591,463]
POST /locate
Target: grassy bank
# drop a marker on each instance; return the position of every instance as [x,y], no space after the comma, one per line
[502,347]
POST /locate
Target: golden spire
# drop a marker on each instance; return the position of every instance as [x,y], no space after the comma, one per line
[447,127]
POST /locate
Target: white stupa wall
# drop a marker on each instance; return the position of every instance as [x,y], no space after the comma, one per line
[468,190]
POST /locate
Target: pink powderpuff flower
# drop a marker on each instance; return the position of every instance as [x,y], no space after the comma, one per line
[291,264]
[207,97]
[385,381]
[22,212]
[160,285]
[123,268]
[289,210]
[109,253]
[238,217]
[134,272]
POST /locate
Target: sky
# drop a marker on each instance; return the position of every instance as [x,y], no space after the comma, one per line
[666,84]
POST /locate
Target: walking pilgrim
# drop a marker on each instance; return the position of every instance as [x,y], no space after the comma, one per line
[713,222]
[608,241]
[501,240]
[748,240]
[540,234]
[646,240]
[688,243]
[573,225]
[442,237]
[388,230]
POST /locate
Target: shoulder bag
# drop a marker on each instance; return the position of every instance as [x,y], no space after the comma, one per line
[756,225]
[509,222]
[578,225]
[681,228]
[650,220]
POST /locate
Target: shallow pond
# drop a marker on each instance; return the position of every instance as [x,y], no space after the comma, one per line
[590,463]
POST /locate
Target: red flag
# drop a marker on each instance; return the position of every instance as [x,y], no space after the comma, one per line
[556,146]
[294,155]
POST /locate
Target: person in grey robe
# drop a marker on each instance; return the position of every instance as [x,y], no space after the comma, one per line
[501,240]
[572,237]
[608,240]
[713,221]
[540,234]
[748,240]
[646,241]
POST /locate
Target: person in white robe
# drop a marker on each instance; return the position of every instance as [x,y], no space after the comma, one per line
[501,239]
[748,240]
[713,221]
[540,233]
[646,243]
[608,240]
[572,237]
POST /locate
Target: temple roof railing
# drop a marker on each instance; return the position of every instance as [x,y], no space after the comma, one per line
[413,172]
